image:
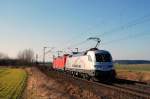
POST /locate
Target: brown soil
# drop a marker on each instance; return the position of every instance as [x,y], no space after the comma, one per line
[134,75]
[40,86]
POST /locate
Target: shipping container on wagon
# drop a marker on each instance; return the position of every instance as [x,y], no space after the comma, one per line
[60,62]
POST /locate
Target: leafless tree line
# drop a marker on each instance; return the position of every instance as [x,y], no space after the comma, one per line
[3,56]
[25,57]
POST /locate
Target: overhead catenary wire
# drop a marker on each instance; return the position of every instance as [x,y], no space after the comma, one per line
[79,43]
[130,24]
[72,47]
[89,29]
[133,36]
[50,50]
[40,56]
[127,37]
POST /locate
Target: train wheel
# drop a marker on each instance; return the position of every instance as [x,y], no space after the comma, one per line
[93,79]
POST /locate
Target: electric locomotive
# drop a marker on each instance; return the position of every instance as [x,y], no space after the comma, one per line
[93,63]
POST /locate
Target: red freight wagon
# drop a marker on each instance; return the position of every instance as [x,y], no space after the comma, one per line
[59,62]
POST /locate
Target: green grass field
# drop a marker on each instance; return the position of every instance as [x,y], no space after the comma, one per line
[12,83]
[134,67]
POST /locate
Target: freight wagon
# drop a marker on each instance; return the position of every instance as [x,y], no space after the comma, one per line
[59,62]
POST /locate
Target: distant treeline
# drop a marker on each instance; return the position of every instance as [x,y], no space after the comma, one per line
[24,57]
[18,62]
[13,62]
[131,62]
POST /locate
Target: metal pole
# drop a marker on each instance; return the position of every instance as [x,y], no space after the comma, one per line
[53,57]
[59,52]
[44,55]
[36,58]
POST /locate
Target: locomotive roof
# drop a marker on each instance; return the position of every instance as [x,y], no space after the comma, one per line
[79,54]
[85,52]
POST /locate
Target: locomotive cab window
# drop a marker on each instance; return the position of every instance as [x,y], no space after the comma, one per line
[103,57]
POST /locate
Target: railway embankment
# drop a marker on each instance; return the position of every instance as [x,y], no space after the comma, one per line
[142,76]
[41,86]
[45,84]
[119,89]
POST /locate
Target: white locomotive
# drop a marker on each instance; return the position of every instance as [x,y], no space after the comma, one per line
[92,63]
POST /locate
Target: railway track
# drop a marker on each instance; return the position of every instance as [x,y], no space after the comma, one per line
[133,85]
[120,89]
[125,91]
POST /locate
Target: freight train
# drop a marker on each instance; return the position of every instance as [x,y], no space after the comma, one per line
[93,63]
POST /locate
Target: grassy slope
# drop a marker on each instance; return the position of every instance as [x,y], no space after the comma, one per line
[134,67]
[138,72]
[12,82]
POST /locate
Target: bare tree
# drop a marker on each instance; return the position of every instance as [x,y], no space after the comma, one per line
[3,56]
[26,56]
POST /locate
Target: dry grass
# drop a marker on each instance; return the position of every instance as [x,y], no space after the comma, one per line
[134,67]
[137,72]
[41,86]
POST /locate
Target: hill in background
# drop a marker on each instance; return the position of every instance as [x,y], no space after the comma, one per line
[131,61]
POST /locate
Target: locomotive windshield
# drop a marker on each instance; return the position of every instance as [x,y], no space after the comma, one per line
[103,57]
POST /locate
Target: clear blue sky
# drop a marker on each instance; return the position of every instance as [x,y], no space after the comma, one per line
[60,23]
